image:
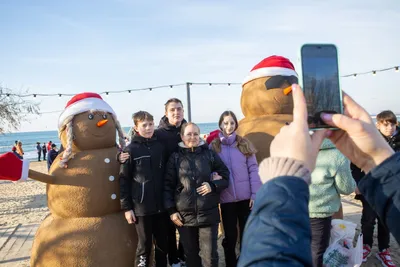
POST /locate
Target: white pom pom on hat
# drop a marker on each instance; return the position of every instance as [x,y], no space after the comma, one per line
[271,66]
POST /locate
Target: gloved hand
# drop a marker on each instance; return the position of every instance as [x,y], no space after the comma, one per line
[12,168]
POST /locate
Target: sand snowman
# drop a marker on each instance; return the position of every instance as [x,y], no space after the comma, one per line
[264,102]
[86,226]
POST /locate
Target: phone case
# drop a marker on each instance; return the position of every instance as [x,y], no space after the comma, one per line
[300,74]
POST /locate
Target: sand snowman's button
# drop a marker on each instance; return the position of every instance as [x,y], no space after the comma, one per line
[111,178]
[107,160]
[113,196]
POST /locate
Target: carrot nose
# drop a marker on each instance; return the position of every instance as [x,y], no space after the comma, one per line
[101,123]
[287,90]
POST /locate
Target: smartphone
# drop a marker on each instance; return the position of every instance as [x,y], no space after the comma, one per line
[320,82]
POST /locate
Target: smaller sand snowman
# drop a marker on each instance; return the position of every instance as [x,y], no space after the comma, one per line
[86,227]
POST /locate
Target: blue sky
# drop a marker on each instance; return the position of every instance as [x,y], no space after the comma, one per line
[76,46]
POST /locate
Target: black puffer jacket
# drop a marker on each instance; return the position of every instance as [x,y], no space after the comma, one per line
[169,135]
[394,141]
[186,171]
[142,177]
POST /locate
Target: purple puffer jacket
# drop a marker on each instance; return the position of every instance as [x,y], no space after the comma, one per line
[244,180]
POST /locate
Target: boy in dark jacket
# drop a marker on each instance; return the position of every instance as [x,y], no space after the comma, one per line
[44,150]
[141,190]
[386,122]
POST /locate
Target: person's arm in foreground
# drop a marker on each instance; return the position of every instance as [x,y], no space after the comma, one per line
[278,229]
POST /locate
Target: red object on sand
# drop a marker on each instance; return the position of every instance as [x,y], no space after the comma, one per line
[212,136]
[12,168]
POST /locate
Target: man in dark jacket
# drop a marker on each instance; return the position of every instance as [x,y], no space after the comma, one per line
[141,190]
[44,150]
[38,150]
[168,132]
[51,155]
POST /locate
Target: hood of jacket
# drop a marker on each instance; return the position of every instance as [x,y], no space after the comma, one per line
[227,140]
[202,145]
[137,138]
[164,124]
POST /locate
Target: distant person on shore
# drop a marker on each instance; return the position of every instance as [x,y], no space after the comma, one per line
[52,155]
[38,150]
[14,150]
[49,145]
[19,149]
[44,150]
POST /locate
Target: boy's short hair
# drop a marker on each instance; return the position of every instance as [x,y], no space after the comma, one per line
[172,100]
[386,116]
[141,116]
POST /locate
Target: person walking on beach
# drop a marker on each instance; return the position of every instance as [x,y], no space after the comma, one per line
[44,150]
[38,150]
[192,196]
[14,150]
[141,187]
[20,151]
[237,200]
[53,153]
[48,146]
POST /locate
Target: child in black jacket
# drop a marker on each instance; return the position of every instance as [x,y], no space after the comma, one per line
[141,190]
[386,122]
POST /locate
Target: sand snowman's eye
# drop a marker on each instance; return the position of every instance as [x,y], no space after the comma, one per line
[105,116]
[91,116]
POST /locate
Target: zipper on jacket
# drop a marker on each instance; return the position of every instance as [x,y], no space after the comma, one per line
[141,200]
[231,171]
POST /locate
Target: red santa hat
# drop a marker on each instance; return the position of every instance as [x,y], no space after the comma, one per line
[81,103]
[12,168]
[271,66]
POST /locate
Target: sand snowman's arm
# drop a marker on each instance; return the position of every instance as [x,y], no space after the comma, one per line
[41,177]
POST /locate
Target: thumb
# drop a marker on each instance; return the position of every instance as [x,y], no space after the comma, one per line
[340,121]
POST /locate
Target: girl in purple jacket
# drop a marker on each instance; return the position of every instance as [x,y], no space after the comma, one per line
[238,154]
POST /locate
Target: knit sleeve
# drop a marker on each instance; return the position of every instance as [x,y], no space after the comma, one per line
[344,181]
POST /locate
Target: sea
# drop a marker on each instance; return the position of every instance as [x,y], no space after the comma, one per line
[29,139]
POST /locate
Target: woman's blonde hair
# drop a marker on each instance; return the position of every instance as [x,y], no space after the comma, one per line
[243,144]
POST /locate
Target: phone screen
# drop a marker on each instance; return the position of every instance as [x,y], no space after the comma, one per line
[320,82]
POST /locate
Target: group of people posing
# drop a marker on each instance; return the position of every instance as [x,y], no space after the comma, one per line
[172,179]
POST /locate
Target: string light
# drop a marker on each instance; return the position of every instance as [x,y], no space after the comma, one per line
[354,75]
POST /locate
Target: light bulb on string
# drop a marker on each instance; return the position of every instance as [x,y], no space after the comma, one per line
[355,75]
[374,72]
[210,84]
[34,95]
[396,69]
[129,91]
[59,95]
[229,85]
[170,87]
[150,89]
[107,94]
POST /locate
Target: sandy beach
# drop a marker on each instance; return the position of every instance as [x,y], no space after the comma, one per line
[27,203]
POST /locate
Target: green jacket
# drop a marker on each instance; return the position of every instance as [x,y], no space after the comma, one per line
[331,177]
